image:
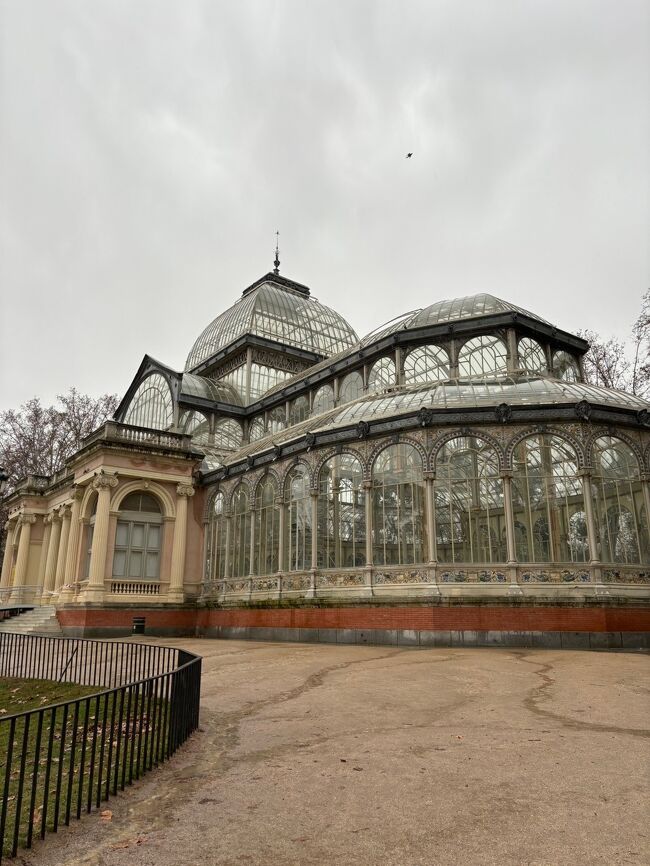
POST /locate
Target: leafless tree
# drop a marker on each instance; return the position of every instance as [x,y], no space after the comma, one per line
[618,364]
[37,439]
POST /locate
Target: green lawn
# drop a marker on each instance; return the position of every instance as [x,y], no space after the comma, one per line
[82,739]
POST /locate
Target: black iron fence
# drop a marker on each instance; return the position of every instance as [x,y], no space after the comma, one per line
[63,759]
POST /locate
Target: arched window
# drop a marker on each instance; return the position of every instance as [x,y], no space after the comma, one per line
[197,425]
[382,375]
[482,356]
[548,501]
[151,405]
[398,519]
[565,367]
[426,364]
[240,547]
[215,555]
[299,410]
[267,527]
[228,434]
[618,503]
[323,400]
[469,501]
[351,388]
[138,538]
[531,356]
[299,523]
[341,513]
[277,419]
[256,429]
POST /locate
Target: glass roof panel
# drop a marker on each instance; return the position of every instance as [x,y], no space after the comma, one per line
[199,386]
[468,307]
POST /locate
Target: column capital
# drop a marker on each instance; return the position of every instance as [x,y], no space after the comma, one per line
[102,481]
[185,490]
[429,475]
[25,519]
[506,473]
[77,493]
[65,512]
[585,472]
[11,524]
[52,517]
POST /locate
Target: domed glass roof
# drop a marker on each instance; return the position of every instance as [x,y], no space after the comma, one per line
[442,312]
[280,310]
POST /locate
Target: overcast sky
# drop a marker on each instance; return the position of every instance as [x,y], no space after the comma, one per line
[149,151]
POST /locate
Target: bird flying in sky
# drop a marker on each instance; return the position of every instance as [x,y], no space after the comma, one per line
[409,155]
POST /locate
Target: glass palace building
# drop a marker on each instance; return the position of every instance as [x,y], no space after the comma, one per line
[452,457]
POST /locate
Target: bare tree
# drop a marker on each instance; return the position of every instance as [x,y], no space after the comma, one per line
[617,364]
[37,439]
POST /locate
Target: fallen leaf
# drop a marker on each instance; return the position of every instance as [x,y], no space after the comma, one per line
[106,815]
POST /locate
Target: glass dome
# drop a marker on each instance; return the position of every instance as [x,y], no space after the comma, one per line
[280,310]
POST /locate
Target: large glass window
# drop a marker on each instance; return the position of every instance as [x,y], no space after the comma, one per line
[470,520]
[215,565]
[565,367]
[341,513]
[151,405]
[482,356]
[138,538]
[426,364]
[351,387]
[197,425]
[323,400]
[240,547]
[398,496]
[256,429]
[531,356]
[548,502]
[618,503]
[263,379]
[382,375]
[277,419]
[299,523]
[299,410]
[267,527]
[228,434]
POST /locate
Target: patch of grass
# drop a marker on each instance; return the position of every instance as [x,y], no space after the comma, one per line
[69,758]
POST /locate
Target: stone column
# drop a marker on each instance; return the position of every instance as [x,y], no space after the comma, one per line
[226,565]
[645,485]
[453,358]
[20,576]
[251,546]
[52,552]
[175,593]
[72,555]
[511,547]
[591,522]
[512,358]
[103,484]
[47,532]
[281,531]
[429,478]
[7,562]
[367,485]
[398,366]
[63,546]
[314,530]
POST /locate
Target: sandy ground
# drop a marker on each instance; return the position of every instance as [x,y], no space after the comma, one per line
[319,754]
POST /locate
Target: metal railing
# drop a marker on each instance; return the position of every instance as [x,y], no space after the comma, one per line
[59,760]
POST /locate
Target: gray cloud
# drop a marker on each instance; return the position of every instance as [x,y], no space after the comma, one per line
[149,150]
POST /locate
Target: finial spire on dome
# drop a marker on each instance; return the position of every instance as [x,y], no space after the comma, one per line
[276,269]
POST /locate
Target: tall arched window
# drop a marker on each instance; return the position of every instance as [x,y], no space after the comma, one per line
[531,356]
[228,434]
[548,501]
[398,518]
[267,527]
[197,425]
[618,503]
[323,400]
[382,375]
[469,501]
[151,405]
[240,546]
[299,410]
[482,356]
[138,538]
[277,419]
[341,513]
[565,367]
[299,523]
[426,364]
[256,429]
[215,554]
[351,388]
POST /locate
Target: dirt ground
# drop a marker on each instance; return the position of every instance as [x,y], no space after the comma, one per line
[319,754]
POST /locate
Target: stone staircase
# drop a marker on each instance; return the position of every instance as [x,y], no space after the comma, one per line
[41,620]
